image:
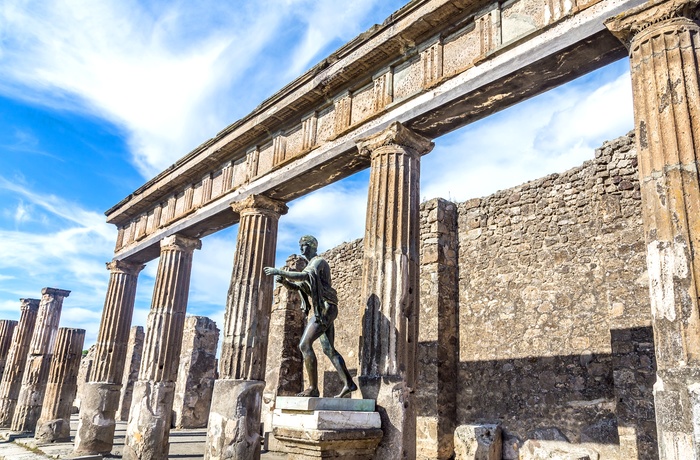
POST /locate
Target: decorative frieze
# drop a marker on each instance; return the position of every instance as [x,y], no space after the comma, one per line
[308,127]
[279,148]
[431,59]
[343,111]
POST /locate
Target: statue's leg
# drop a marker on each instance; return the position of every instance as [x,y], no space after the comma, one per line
[311,333]
[327,343]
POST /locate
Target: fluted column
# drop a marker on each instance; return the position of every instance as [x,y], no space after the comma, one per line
[664,43]
[36,371]
[54,422]
[7,328]
[16,360]
[230,434]
[150,415]
[390,284]
[100,397]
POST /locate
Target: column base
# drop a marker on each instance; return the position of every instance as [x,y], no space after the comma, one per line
[395,406]
[233,432]
[95,435]
[677,405]
[149,423]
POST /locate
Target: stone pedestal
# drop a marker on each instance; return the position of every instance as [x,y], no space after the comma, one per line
[16,360]
[390,285]
[97,417]
[195,380]
[151,408]
[54,422]
[7,329]
[664,43]
[246,326]
[131,372]
[327,427]
[36,371]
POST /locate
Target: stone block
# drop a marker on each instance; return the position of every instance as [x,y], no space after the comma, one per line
[326,420]
[478,442]
[324,404]
[302,444]
[534,449]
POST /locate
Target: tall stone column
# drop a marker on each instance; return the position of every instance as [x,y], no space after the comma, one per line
[100,396]
[36,371]
[7,328]
[54,422]
[131,371]
[390,284]
[151,408]
[234,420]
[664,43]
[16,360]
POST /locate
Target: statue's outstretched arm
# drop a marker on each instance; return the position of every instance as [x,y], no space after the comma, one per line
[293,276]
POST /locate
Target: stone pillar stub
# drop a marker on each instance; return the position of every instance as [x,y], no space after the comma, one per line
[7,328]
[108,365]
[36,371]
[246,326]
[195,380]
[151,408]
[664,42]
[16,360]
[390,283]
[54,423]
[134,352]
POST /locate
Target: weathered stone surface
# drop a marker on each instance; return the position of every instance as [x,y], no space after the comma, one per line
[302,444]
[54,423]
[390,284]
[246,331]
[84,374]
[478,442]
[96,429]
[7,329]
[36,372]
[131,371]
[195,380]
[296,403]
[16,360]
[556,450]
[152,404]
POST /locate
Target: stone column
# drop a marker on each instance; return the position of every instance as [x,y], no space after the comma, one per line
[54,422]
[7,328]
[131,372]
[151,408]
[16,360]
[664,43]
[390,284]
[36,371]
[233,431]
[100,396]
[195,381]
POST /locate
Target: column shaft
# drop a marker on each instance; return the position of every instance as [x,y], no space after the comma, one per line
[131,371]
[54,422]
[16,360]
[7,328]
[151,409]
[390,284]
[100,397]
[36,371]
[664,43]
[246,324]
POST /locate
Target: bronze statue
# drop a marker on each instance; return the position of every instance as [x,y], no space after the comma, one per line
[317,294]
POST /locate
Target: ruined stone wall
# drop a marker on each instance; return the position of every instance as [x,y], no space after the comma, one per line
[552,305]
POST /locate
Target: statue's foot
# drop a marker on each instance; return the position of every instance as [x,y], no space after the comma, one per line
[347,389]
[309,393]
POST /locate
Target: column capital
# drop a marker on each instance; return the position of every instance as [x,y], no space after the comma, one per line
[395,134]
[627,25]
[29,304]
[125,267]
[178,242]
[55,292]
[259,204]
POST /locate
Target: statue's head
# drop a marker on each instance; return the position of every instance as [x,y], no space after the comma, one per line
[309,241]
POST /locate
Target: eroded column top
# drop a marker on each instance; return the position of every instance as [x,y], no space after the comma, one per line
[55,292]
[398,135]
[259,204]
[180,243]
[29,304]
[625,26]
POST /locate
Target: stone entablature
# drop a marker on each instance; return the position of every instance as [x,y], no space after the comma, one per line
[419,67]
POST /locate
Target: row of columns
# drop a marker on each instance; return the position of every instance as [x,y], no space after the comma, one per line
[664,42]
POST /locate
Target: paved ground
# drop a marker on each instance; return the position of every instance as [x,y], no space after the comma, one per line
[184,445]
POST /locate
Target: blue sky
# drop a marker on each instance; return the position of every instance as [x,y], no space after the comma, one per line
[98,96]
